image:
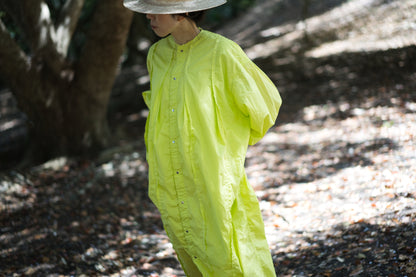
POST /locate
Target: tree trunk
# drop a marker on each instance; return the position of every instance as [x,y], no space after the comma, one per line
[66,104]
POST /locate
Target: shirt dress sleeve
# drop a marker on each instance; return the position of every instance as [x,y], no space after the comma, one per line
[147,94]
[254,93]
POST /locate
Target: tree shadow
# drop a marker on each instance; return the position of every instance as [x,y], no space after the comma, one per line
[352,65]
[95,219]
[278,164]
[266,14]
[336,89]
[358,249]
[75,220]
[359,79]
[82,219]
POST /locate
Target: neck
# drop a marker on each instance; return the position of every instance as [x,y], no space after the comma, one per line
[186,32]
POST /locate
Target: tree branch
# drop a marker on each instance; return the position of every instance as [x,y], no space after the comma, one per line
[105,44]
[14,64]
[66,24]
[34,17]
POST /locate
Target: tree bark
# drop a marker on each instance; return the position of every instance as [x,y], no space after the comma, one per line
[66,104]
[95,73]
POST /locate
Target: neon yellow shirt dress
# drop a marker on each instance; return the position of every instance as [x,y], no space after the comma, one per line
[207,102]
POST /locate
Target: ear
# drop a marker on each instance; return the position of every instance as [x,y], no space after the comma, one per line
[179,17]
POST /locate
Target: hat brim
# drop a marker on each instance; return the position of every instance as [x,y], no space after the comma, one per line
[152,7]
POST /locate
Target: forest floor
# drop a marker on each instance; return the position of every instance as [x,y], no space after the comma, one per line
[335,178]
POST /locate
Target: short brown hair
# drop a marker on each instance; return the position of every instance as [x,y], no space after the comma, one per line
[197,16]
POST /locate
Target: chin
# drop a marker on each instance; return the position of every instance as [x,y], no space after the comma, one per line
[161,34]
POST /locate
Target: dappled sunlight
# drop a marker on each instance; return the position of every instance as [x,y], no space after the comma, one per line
[396,30]
[322,142]
[361,44]
[272,46]
[12,193]
[339,164]
[335,177]
[128,167]
[81,217]
[44,24]
[347,28]
[62,37]
[338,199]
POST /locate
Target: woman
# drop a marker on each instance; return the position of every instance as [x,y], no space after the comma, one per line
[207,103]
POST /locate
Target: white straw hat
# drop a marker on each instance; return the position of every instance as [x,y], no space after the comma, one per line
[171,6]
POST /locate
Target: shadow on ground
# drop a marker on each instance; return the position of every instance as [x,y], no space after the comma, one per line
[76,220]
[360,249]
[291,163]
[94,218]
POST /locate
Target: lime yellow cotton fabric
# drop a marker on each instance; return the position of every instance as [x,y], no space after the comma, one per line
[207,102]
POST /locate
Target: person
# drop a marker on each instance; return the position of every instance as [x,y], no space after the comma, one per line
[207,102]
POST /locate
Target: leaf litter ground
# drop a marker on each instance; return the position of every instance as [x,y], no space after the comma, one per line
[335,178]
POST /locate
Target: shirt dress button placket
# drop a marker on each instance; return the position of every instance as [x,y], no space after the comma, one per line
[183,206]
[174,147]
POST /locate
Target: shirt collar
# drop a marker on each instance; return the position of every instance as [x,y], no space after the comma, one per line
[187,45]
